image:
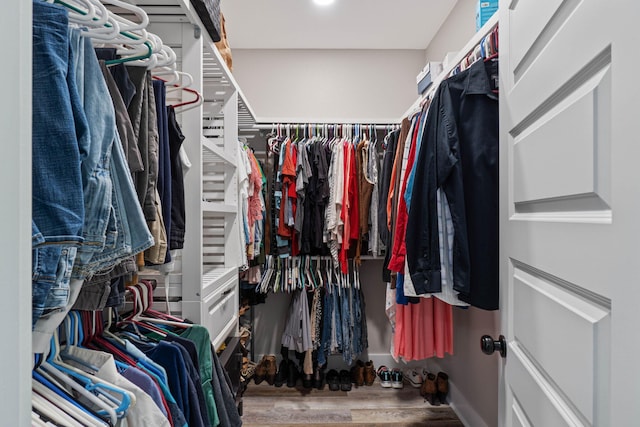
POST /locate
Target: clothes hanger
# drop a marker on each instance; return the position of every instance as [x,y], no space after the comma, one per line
[93,383]
[188,105]
[105,26]
[52,412]
[68,407]
[48,369]
[147,294]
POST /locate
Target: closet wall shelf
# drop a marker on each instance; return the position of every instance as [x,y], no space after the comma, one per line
[218,276]
[222,208]
[468,48]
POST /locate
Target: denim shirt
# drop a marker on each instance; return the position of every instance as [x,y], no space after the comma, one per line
[459,154]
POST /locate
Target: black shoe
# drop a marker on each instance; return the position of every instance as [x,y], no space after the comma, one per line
[318,378]
[333,379]
[283,374]
[292,378]
[345,380]
[307,381]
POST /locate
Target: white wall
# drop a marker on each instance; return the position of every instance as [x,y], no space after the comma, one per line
[455,32]
[328,85]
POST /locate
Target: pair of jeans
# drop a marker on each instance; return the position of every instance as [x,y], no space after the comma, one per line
[325,342]
[357,324]
[164,157]
[347,330]
[142,112]
[176,138]
[59,124]
[132,233]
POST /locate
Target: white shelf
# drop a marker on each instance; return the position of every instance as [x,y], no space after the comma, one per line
[219,208]
[217,277]
[462,53]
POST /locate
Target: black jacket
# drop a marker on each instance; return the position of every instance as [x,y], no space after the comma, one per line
[459,153]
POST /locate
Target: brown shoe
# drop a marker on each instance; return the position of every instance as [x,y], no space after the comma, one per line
[261,371]
[442,382]
[271,368]
[357,373]
[429,389]
[369,373]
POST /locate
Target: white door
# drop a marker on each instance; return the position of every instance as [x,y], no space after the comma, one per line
[570,212]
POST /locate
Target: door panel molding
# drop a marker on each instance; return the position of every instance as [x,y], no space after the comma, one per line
[558,329]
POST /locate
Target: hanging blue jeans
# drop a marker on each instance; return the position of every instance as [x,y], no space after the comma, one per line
[347,331]
[357,324]
[58,125]
[325,342]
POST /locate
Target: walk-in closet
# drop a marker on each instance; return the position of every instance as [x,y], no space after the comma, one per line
[319,213]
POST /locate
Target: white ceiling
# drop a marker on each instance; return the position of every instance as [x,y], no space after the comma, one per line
[346,24]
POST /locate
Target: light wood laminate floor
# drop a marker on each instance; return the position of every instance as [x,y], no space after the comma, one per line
[269,406]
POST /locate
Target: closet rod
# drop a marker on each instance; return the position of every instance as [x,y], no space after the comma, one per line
[264,126]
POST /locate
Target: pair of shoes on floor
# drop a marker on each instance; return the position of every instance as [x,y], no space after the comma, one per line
[339,380]
[435,388]
[287,374]
[414,377]
[390,378]
[266,370]
[248,369]
[363,373]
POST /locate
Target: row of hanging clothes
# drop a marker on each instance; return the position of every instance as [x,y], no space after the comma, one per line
[320,215]
[322,191]
[147,369]
[440,205]
[108,202]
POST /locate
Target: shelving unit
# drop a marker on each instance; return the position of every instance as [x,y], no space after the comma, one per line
[203,284]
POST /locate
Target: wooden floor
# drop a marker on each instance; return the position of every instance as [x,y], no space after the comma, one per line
[268,406]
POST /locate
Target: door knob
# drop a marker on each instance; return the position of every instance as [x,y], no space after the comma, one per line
[489,345]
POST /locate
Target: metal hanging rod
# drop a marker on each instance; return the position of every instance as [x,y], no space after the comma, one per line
[269,126]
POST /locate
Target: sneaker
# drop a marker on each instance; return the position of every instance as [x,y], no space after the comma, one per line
[413,377]
[397,378]
[385,376]
[369,373]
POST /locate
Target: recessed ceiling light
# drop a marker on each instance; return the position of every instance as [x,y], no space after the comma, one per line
[323,2]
